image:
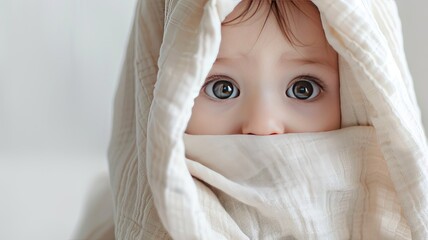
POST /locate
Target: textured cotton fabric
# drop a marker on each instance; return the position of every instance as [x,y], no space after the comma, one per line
[367,180]
[295,186]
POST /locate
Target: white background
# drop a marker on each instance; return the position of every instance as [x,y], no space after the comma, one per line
[59,66]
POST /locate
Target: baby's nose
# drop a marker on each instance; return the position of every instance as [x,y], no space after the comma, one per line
[263,118]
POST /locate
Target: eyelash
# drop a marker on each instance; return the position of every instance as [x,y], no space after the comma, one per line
[216,79]
[311,77]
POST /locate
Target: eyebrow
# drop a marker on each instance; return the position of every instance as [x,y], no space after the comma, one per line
[284,57]
[309,60]
[304,58]
[230,56]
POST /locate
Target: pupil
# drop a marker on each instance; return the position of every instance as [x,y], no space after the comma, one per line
[227,89]
[223,89]
[303,89]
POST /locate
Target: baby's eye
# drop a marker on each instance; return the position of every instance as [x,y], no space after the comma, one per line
[303,89]
[221,89]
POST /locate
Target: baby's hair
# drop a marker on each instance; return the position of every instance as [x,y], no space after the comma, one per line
[282,11]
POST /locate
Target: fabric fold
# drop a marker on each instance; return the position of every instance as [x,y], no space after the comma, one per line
[373,50]
[294,185]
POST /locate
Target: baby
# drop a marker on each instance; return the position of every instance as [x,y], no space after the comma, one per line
[272,73]
[275,73]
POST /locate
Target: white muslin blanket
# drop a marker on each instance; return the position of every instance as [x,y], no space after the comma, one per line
[367,180]
[296,186]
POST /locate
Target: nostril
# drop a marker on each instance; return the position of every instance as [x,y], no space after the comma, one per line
[261,134]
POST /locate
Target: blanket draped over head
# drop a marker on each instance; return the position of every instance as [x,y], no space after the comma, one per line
[367,180]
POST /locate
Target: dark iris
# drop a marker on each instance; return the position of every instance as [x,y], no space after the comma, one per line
[223,89]
[303,89]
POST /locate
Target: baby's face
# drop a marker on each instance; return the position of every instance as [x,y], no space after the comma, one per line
[261,84]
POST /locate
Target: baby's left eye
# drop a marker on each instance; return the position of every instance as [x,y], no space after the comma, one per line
[303,89]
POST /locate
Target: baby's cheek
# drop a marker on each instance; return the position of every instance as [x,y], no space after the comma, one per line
[332,120]
[197,121]
[316,117]
[207,118]
[330,116]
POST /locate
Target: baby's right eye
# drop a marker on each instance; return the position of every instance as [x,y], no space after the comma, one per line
[221,89]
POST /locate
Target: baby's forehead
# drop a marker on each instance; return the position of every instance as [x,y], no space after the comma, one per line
[292,16]
[263,29]
[241,45]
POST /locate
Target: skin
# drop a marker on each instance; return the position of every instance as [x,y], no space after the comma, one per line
[263,65]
